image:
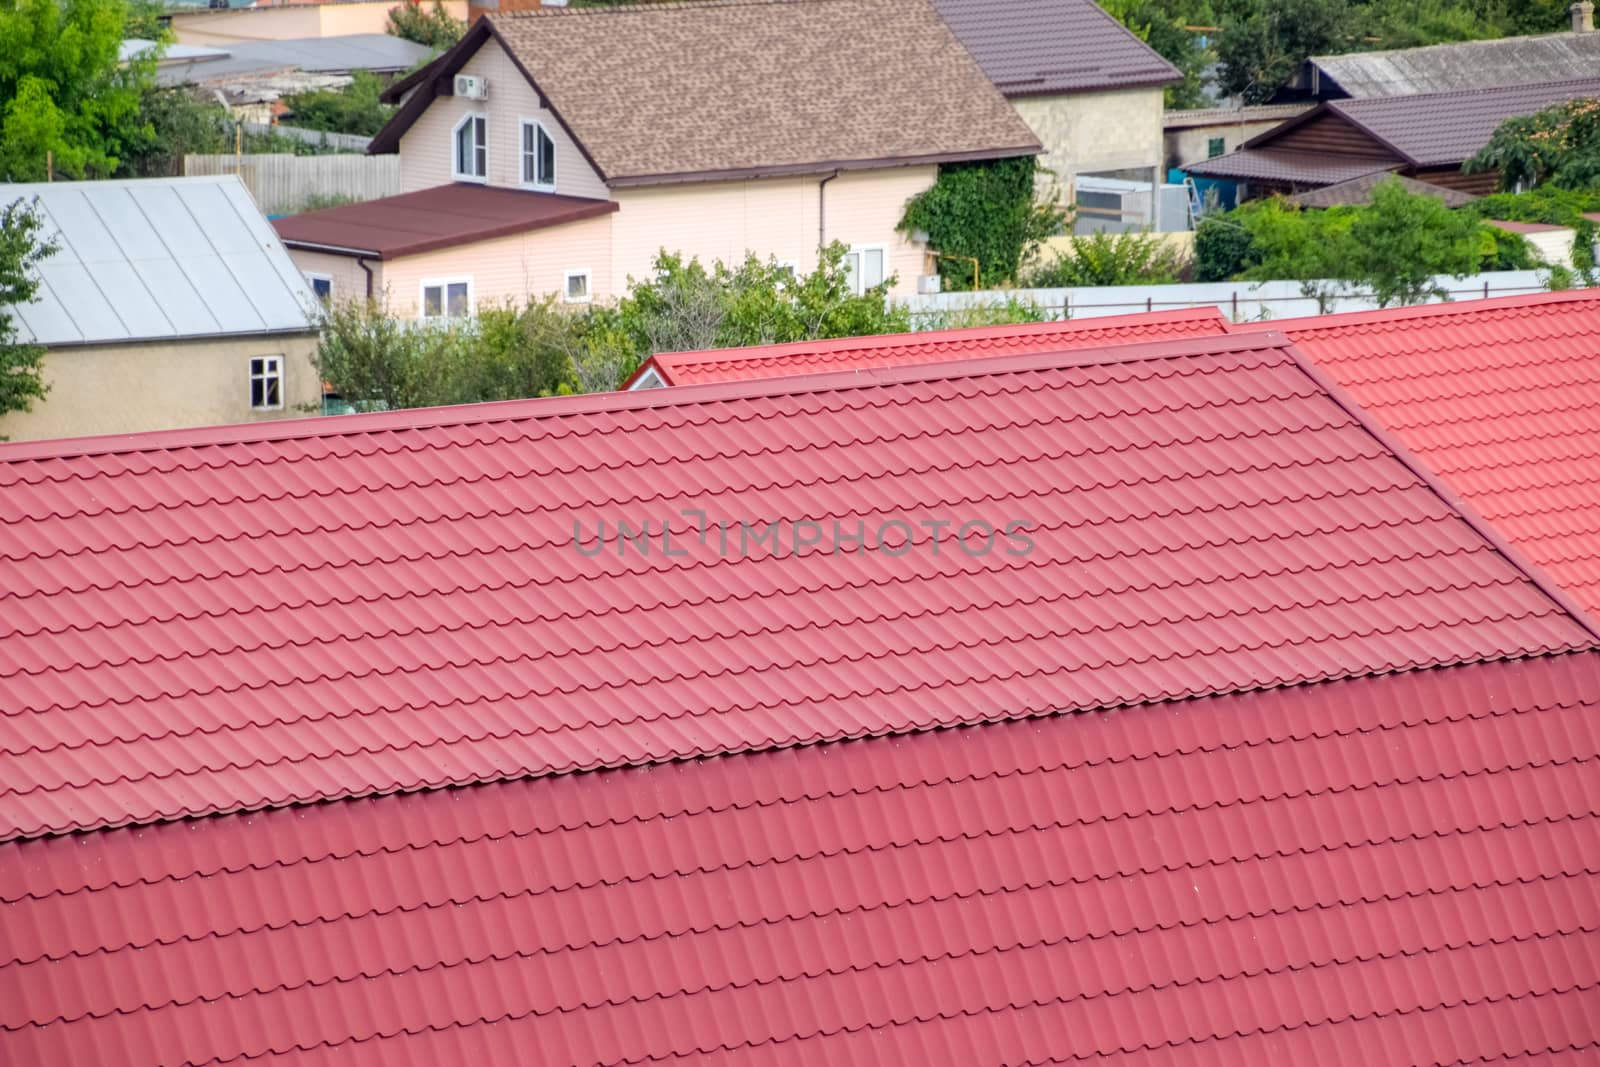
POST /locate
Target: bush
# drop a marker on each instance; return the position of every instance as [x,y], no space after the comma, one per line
[989,210]
[1014,310]
[1222,249]
[435,28]
[1131,258]
[1547,204]
[355,109]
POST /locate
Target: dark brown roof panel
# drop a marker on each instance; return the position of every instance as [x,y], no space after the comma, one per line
[1358,191]
[1440,128]
[1282,165]
[1042,47]
[441,217]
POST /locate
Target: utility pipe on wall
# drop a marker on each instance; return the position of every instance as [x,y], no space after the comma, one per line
[822,211]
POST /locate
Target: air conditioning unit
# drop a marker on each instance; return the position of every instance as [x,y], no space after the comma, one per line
[928,284]
[472,87]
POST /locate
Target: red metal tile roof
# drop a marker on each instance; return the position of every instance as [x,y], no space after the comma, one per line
[429,219]
[929,346]
[243,617]
[1400,869]
[1501,398]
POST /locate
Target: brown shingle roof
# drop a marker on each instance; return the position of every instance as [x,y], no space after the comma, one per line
[1042,47]
[732,88]
[1358,191]
[429,219]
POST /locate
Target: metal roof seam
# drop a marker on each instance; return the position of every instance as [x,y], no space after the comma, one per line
[1484,529]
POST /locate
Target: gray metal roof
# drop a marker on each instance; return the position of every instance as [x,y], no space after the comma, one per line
[158,259]
[320,55]
[1465,65]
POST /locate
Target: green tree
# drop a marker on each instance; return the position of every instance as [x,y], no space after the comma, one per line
[1559,146]
[1402,241]
[435,27]
[990,210]
[355,109]
[1259,51]
[63,93]
[21,249]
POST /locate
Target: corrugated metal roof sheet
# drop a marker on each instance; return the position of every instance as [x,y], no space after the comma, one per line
[1402,869]
[929,346]
[333,55]
[1433,129]
[1041,47]
[244,617]
[1501,397]
[1286,165]
[1464,65]
[443,216]
[159,259]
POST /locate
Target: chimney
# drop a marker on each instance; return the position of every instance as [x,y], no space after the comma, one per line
[1582,16]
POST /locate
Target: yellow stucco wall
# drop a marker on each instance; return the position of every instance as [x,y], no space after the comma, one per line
[162,386]
[1086,133]
[1193,145]
[291,21]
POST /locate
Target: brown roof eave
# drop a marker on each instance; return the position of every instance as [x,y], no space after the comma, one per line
[821,167]
[434,244]
[1019,90]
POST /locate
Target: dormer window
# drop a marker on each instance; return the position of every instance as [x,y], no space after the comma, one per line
[472,149]
[538,156]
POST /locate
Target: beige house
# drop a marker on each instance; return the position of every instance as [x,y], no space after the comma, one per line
[559,151]
[1205,133]
[168,303]
[1090,90]
[286,22]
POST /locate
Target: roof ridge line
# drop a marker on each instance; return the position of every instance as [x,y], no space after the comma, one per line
[421,419]
[1509,552]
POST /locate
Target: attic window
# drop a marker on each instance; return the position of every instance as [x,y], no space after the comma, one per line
[538,156]
[472,149]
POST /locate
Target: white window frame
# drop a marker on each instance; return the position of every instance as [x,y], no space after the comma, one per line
[588,286]
[522,156]
[443,285]
[271,370]
[860,251]
[312,277]
[455,136]
[650,379]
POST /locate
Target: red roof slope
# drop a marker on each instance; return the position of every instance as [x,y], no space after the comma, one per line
[243,617]
[1400,869]
[928,346]
[429,219]
[1501,398]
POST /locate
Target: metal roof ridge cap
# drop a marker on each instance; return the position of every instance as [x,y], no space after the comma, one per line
[1414,463]
[616,401]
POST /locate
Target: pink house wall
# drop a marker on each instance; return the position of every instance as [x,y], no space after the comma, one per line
[515,268]
[349,280]
[776,217]
[427,147]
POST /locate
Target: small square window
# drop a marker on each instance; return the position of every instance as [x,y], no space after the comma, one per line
[577,291]
[864,268]
[322,286]
[266,383]
[447,299]
[1215,147]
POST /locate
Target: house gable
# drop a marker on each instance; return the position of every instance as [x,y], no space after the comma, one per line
[1326,133]
[426,145]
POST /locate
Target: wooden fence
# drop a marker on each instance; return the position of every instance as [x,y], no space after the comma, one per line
[286,184]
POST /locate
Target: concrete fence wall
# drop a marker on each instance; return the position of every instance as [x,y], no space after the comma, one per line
[284,184]
[344,142]
[1240,301]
